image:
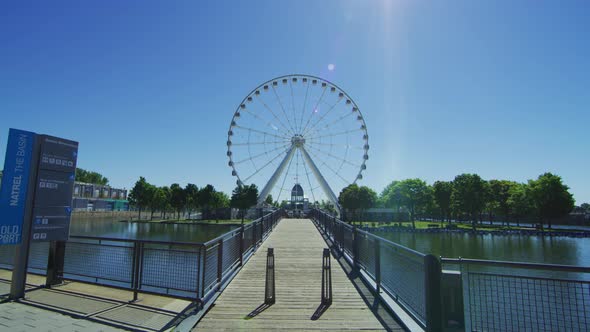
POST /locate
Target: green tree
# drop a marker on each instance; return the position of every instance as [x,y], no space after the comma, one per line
[191,194]
[83,175]
[219,200]
[499,194]
[585,207]
[367,199]
[269,200]
[519,202]
[415,195]
[243,197]
[206,196]
[551,198]
[349,199]
[391,196]
[442,191]
[469,195]
[177,198]
[139,195]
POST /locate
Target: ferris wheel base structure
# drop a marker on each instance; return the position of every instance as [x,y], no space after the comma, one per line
[297,143]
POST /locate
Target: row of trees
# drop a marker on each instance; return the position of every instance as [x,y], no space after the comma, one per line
[469,197]
[83,175]
[179,200]
[176,199]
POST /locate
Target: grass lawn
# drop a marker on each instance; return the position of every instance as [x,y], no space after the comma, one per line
[421,224]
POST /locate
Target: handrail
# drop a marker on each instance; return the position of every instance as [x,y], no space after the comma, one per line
[535,266]
[85,237]
[391,243]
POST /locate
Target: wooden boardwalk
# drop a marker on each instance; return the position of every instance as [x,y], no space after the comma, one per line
[298,271]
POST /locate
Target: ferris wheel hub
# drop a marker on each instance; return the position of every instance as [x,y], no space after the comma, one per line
[298,141]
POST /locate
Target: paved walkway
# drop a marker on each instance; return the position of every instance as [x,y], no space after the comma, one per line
[17,317]
[76,306]
[298,250]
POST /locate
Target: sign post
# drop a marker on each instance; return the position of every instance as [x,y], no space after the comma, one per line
[36,196]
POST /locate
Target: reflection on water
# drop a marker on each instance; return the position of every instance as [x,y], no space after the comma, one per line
[537,249]
[112,228]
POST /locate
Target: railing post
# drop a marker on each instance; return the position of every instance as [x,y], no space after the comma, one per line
[432,278]
[136,267]
[355,247]
[242,245]
[55,263]
[202,267]
[219,263]
[269,287]
[377,264]
[261,228]
[326,278]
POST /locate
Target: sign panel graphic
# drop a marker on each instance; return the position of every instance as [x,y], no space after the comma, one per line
[54,189]
[15,182]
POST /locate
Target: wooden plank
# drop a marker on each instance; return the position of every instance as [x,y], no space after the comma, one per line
[298,248]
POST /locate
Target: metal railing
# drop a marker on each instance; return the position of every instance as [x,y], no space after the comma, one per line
[401,272]
[511,296]
[187,270]
[489,295]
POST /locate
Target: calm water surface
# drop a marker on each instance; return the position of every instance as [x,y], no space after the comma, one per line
[112,228]
[538,249]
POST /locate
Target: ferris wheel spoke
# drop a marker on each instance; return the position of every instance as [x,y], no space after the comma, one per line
[336,134]
[265,153]
[293,106]
[331,145]
[263,132]
[260,143]
[269,123]
[303,108]
[343,160]
[313,111]
[323,163]
[283,109]
[323,116]
[274,115]
[266,165]
[317,130]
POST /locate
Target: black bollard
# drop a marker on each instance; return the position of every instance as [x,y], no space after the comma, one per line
[326,278]
[269,289]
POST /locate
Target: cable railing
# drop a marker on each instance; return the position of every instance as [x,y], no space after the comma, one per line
[187,270]
[479,295]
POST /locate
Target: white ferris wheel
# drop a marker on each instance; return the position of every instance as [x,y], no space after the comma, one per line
[298,129]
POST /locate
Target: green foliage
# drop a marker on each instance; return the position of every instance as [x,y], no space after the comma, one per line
[469,195]
[191,197]
[585,207]
[269,200]
[83,175]
[550,197]
[243,197]
[355,198]
[177,198]
[139,195]
[442,191]
[415,195]
[519,202]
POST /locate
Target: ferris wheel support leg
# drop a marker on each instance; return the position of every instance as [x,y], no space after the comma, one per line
[275,176]
[320,178]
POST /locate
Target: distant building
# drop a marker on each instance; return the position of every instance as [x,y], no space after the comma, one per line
[96,197]
[298,200]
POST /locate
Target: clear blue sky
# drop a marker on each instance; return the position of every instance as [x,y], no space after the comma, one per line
[498,88]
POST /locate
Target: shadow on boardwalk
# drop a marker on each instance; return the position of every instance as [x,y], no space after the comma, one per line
[107,306]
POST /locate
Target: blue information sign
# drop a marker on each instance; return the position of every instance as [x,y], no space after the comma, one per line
[15,182]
